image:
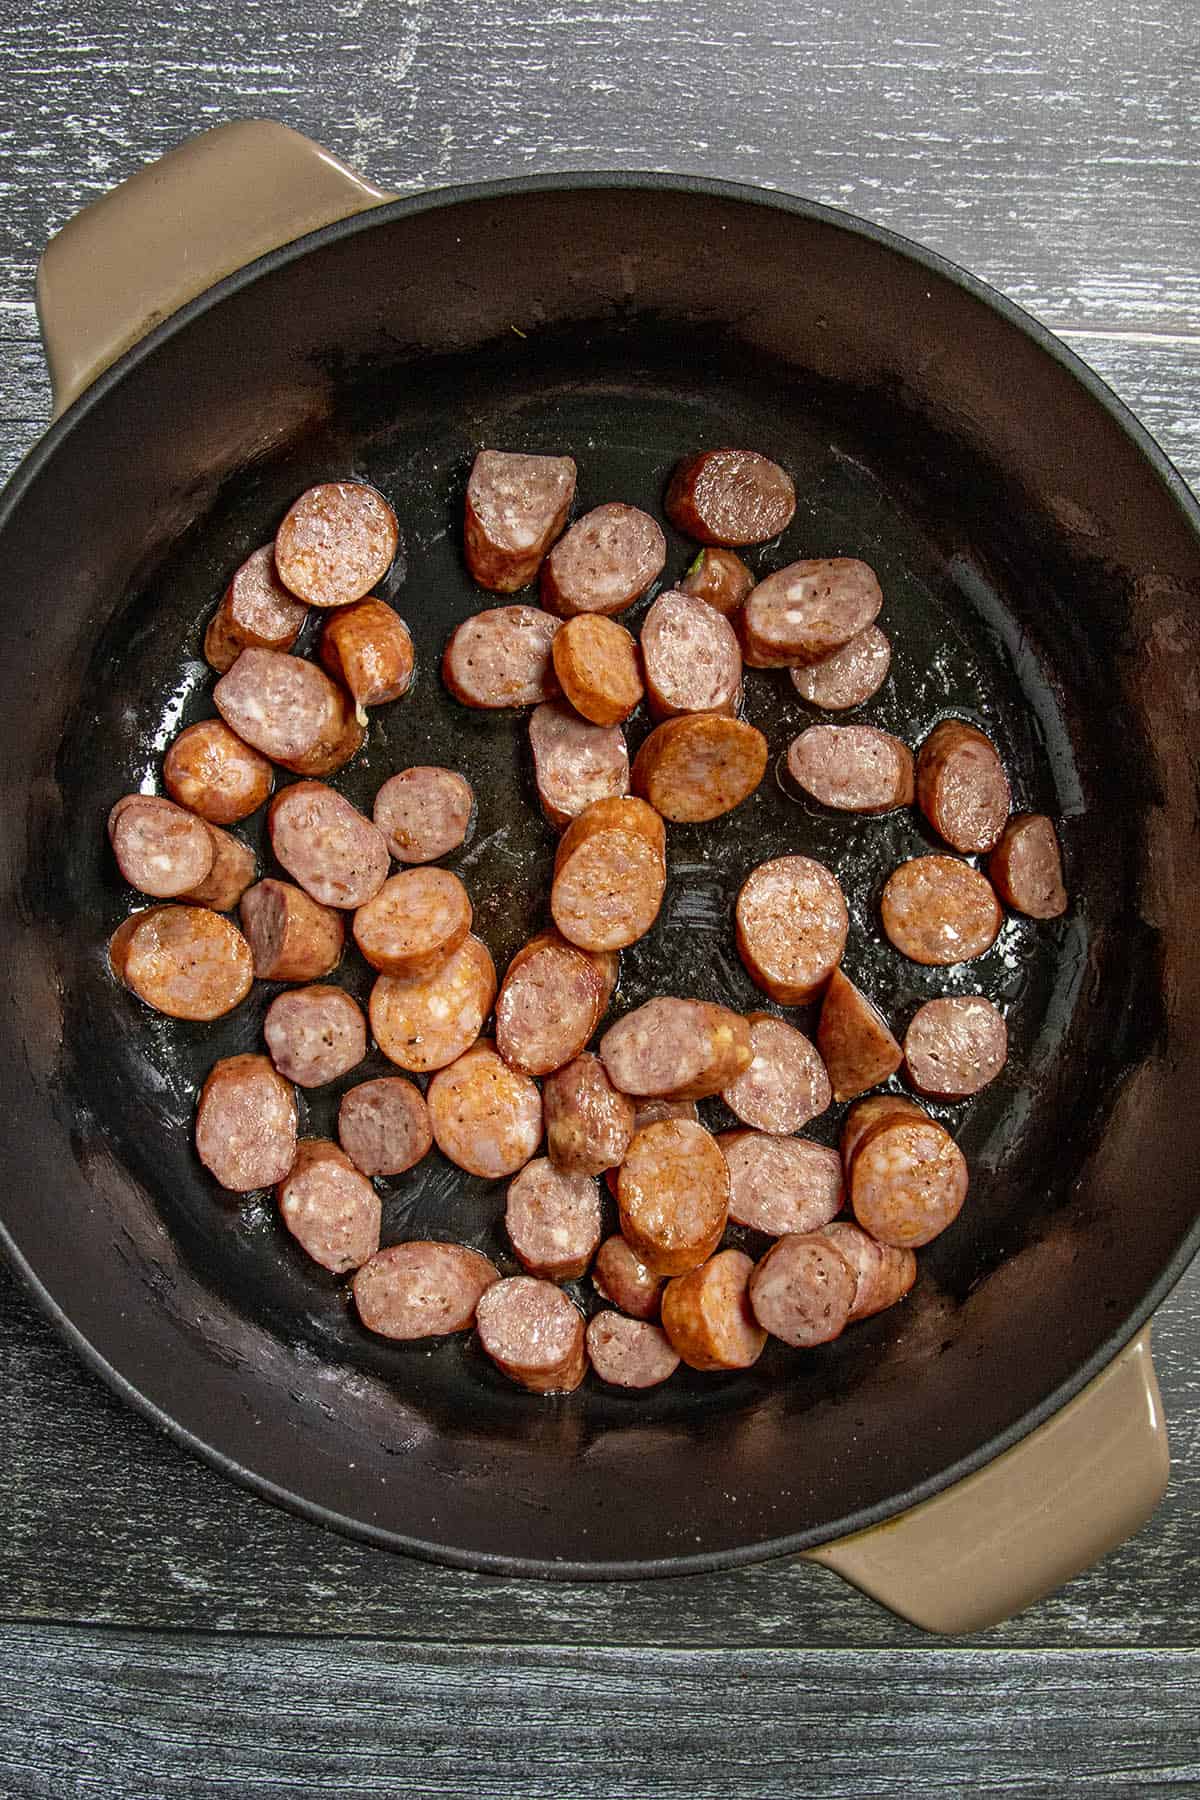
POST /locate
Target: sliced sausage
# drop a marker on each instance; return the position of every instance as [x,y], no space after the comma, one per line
[781,1184]
[676,1049]
[955,1046]
[850,676]
[331,1210]
[854,1039]
[516,507]
[185,961]
[607,963]
[553,1220]
[792,923]
[720,578]
[291,937]
[883,1273]
[337,856]
[629,1353]
[336,542]
[604,562]
[1026,867]
[620,1277]
[907,1180]
[574,762]
[610,875]
[315,1034]
[533,1333]
[961,786]
[383,1125]
[290,710]
[160,849]
[416,920]
[802,1290]
[707,1315]
[785,1085]
[598,668]
[699,766]
[233,869]
[367,647]
[424,813]
[673,1196]
[648,1112]
[864,1115]
[428,1023]
[852,768]
[937,910]
[588,1122]
[246,1124]
[691,657]
[486,1118]
[501,657]
[805,612]
[212,773]
[256,613]
[421,1289]
[548,1007]
[730,497]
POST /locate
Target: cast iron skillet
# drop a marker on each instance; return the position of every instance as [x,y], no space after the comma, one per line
[1041,564]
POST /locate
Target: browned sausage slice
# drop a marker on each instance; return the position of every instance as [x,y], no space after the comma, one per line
[553,1220]
[289,710]
[802,1290]
[854,1039]
[707,1316]
[430,1022]
[160,849]
[421,1289]
[955,1046]
[619,1276]
[961,786]
[699,766]
[673,1195]
[598,668]
[424,813]
[676,1049]
[383,1125]
[604,562]
[610,875]
[233,869]
[315,1034]
[256,613]
[852,768]
[730,497]
[1026,867]
[533,1333]
[607,963]
[368,649]
[648,1112]
[212,773]
[781,1184]
[792,924]
[908,1181]
[864,1115]
[937,911]
[629,1353]
[588,1122]
[291,938]
[884,1273]
[185,961]
[516,507]
[548,1007]
[691,657]
[246,1124]
[486,1118]
[575,763]
[416,920]
[785,1085]
[805,612]
[501,658]
[850,676]
[331,1210]
[336,855]
[720,578]
[336,542]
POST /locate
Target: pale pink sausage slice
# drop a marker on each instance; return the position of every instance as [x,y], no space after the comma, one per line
[786,1084]
[955,1046]
[620,1277]
[290,711]
[676,1049]
[533,1333]
[256,613]
[730,497]
[233,869]
[850,676]
[937,911]
[852,768]
[1026,867]
[212,773]
[575,762]
[961,786]
[501,657]
[424,813]
[161,849]
[607,963]
[691,657]
[604,562]
[802,1290]
[673,1195]
[805,612]
[367,647]
[548,1007]
[720,578]
[553,1220]
[629,1353]
[883,1273]
[781,1184]
[291,937]
[185,961]
[315,1034]
[588,1122]
[427,1023]
[516,506]
[854,1039]
[246,1124]
[336,542]
[486,1118]
[331,1210]
[707,1315]
[908,1181]
[383,1125]
[792,923]
[326,845]
[414,922]
[421,1289]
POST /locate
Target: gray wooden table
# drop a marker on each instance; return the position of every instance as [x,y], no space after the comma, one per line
[162,1632]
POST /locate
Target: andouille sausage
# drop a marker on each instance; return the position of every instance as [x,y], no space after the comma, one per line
[852,768]
[719,577]
[864,1115]
[883,1273]
[604,562]
[629,1353]
[336,542]
[907,1180]
[699,766]
[648,1112]
[161,849]
[730,497]
[780,1184]
[424,813]
[620,1277]
[589,1123]
[516,506]
[937,911]
[185,961]
[421,1289]
[548,1007]
[607,963]
[961,786]
[367,647]
[290,711]
[802,1290]
[805,612]
[383,1125]
[315,1034]
[246,1124]
[533,1333]
[291,937]
[853,1037]
[486,1118]
[610,875]
[414,922]
[955,1046]
[501,657]
[337,856]
[792,922]
[676,1049]
[707,1315]
[232,872]
[786,1084]
[430,1022]
[1026,867]
[575,762]
[691,657]
[553,1220]
[598,666]
[849,676]
[673,1196]
[211,772]
[331,1210]
[256,613]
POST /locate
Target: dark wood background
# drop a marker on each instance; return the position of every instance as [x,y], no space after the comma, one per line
[162,1632]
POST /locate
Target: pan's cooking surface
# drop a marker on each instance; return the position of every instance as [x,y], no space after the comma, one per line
[993,615]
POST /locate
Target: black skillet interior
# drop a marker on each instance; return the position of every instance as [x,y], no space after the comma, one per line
[1038,578]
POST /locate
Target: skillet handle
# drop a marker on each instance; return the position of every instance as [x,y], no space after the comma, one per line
[1039,1514]
[136,255]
